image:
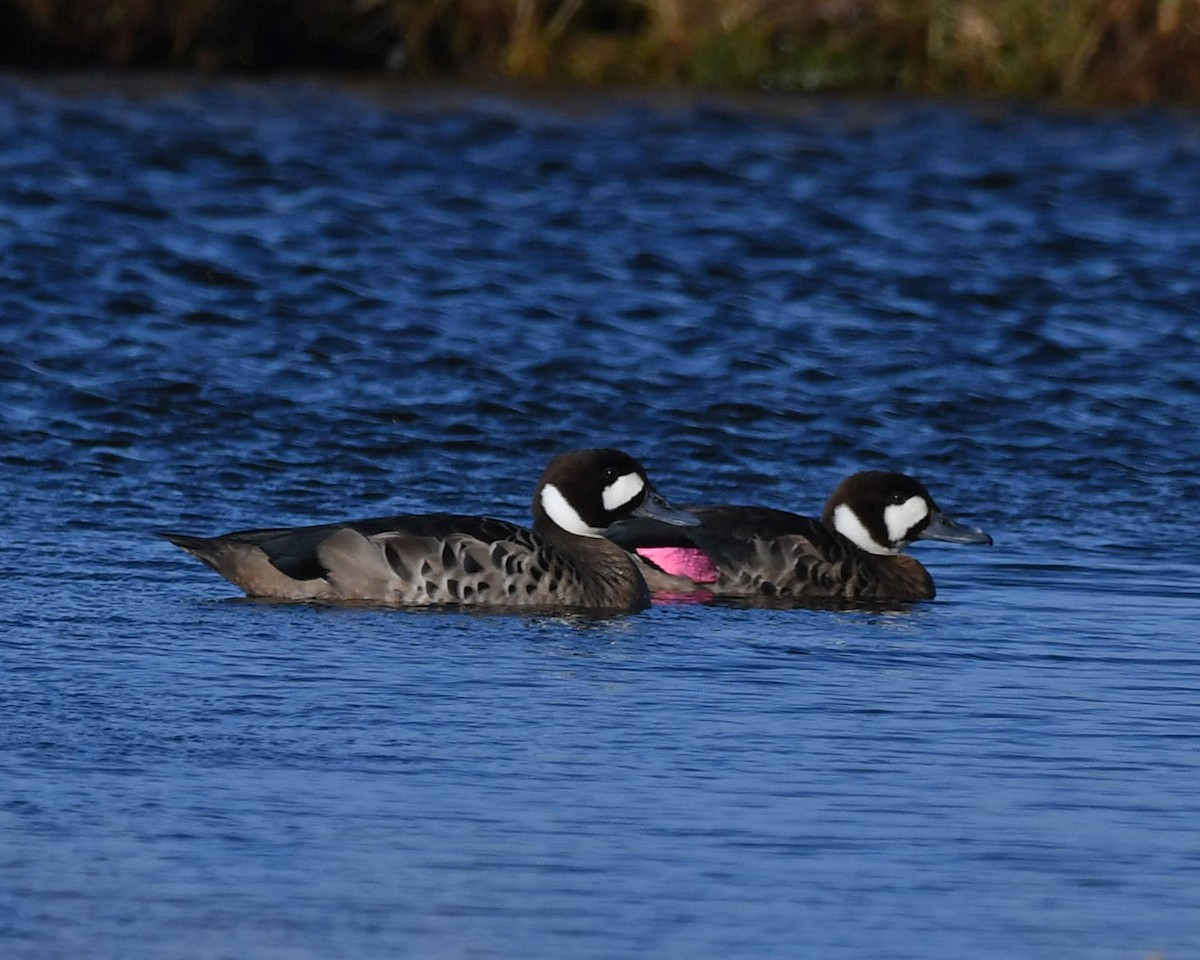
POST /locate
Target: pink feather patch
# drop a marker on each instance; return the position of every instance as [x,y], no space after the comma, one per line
[682,562]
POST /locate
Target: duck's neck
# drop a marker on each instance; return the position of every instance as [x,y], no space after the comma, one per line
[897,576]
[605,569]
[901,577]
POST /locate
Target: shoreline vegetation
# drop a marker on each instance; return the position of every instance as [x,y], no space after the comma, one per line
[1083,51]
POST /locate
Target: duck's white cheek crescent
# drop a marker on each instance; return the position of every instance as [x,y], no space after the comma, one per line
[846,522]
[561,512]
[622,490]
[900,518]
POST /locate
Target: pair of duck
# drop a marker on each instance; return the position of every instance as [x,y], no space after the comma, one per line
[602,539]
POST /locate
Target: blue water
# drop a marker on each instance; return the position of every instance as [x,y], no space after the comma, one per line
[241,304]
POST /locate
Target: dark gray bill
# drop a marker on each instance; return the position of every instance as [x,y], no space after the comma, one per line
[941,527]
[655,507]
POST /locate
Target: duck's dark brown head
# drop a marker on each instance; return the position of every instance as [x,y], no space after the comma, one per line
[585,492]
[882,512]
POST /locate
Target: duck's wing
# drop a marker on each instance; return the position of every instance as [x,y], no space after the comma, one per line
[407,559]
[761,551]
[757,551]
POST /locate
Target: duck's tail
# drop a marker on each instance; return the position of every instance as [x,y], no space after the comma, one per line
[247,565]
[203,548]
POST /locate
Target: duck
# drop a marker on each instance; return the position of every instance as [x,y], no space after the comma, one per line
[852,554]
[420,560]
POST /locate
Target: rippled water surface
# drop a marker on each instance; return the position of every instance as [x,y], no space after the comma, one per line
[228,305]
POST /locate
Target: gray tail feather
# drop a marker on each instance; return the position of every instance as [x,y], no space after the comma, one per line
[201,547]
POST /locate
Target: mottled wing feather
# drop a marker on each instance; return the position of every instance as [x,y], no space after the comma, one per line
[430,558]
[423,560]
[761,551]
[489,563]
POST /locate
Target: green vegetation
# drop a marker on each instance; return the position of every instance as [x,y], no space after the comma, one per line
[1081,50]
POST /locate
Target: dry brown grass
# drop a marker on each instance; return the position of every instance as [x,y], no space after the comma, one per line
[1124,50]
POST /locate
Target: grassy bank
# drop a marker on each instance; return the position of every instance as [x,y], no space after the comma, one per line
[1081,50]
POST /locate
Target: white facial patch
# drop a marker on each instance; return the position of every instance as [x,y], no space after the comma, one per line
[622,490]
[846,522]
[900,518]
[565,515]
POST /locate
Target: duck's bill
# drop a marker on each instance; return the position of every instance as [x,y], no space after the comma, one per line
[941,527]
[655,507]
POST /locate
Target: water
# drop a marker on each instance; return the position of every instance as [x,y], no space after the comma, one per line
[235,304]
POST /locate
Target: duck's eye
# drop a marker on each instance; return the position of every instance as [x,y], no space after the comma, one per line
[896,497]
[610,473]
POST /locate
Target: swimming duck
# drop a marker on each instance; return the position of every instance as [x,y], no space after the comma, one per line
[853,553]
[434,559]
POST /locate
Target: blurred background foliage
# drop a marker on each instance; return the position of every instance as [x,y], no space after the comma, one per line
[1079,50]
